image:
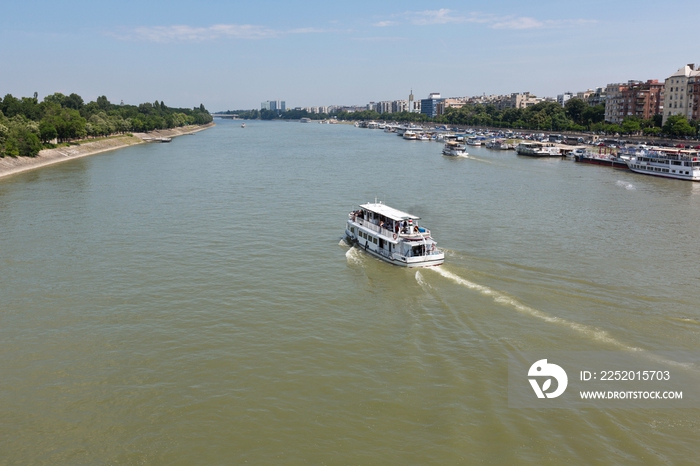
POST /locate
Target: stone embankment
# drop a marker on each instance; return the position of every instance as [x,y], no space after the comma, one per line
[12,165]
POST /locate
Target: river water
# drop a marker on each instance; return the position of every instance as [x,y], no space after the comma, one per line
[192,303]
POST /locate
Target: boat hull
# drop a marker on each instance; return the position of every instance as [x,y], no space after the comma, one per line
[652,170]
[604,162]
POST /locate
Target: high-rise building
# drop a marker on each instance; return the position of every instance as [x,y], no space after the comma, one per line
[411,103]
[399,106]
[432,105]
[274,105]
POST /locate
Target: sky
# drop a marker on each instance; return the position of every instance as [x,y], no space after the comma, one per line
[231,55]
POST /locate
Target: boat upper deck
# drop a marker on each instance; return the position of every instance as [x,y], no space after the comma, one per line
[388,212]
[393,224]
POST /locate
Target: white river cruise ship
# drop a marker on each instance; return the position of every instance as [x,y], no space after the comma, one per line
[682,165]
[393,236]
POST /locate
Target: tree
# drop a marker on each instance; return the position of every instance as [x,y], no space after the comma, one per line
[47,131]
[631,125]
[591,115]
[677,125]
[103,103]
[574,109]
[74,101]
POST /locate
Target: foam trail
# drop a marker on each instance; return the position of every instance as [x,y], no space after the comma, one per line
[598,335]
[501,298]
[343,243]
[421,281]
[626,185]
[354,256]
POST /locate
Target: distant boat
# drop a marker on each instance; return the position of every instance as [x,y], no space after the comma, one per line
[454,149]
[410,135]
[535,149]
[242,125]
[305,120]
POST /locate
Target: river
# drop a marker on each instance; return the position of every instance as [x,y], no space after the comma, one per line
[193,303]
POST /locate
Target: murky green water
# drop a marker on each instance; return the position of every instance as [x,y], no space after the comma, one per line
[190,303]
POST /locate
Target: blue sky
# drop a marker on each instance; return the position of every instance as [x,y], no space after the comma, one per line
[235,54]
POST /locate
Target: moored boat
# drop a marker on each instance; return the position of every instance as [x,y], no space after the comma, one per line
[536,149]
[607,160]
[392,236]
[680,166]
[410,135]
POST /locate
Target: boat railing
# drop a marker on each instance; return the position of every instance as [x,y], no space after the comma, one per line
[386,232]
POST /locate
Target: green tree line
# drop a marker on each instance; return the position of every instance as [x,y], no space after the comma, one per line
[27,125]
[575,115]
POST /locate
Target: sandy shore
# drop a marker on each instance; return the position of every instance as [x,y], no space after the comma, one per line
[11,166]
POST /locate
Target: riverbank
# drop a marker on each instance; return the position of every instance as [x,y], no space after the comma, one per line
[14,165]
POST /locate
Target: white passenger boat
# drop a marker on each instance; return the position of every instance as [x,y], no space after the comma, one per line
[410,135]
[454,149]
[681,166]
[473,142]
[242,125]
[392,236]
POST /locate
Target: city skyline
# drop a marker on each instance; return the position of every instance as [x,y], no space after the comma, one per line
[234,55]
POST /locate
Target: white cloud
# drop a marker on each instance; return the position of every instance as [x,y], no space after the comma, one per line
[441,16]
[518,23]
[446,16]
[382,24]
[184,33]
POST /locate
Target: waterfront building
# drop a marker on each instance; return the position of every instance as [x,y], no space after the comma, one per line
[399,106]
[636,98]
[384,106]
[598,97]
[584,95]
[432,106]
[503,102]
[274,105]
[454,102]
[562,99]
[680,96]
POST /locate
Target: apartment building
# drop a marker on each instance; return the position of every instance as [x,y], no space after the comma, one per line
[680,93]
[635,98]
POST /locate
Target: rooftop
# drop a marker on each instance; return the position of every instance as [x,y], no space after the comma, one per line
[389,212]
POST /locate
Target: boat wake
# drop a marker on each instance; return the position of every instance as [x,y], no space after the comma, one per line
[502,298]
[355,256]
[421,281]
[626,185]
[587,331]
[343,243]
